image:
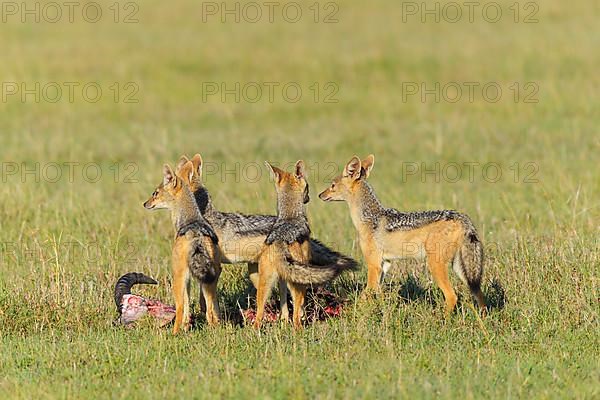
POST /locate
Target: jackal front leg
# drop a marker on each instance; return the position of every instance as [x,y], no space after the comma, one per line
[374,260]
[181,284]
[267,275]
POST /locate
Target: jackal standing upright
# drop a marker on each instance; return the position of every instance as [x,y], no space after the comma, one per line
[195,249]
[442,237]
[241,236]
[287,249]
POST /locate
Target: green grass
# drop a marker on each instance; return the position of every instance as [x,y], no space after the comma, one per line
[65,243]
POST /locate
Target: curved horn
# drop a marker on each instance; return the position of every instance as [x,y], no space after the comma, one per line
[126,282]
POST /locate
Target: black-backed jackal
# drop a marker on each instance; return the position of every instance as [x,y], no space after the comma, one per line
[442,237]
[195,249]
[241,236]
[287,250]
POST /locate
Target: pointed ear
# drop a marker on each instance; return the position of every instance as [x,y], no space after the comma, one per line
[367,164]
[300,169]
[168,175]
[182,160]
[197,164]
[187,171]
[276,173]
[352,169]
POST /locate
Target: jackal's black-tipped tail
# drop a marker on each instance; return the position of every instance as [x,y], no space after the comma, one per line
[471,263]
[126,282]
[469,260]
[325,265]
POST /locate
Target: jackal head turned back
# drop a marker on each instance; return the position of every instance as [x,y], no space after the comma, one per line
[194,181]
[291,188]
[344,186]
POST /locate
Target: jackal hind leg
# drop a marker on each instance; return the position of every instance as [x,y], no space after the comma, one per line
[298,293]
[438,263]
[202,301]
[209,290]
[284,314]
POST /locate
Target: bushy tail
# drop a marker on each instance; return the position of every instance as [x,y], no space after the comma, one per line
[468,262]
[126,282]
[325,265]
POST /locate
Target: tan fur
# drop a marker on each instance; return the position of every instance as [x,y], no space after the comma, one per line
[267,276]
[287,252]
[241,239]
[273,265]
[274,259]
[234,248]
[248,248]
[174,194]
[438,242]
[181,278]
[209,290]
[181,283]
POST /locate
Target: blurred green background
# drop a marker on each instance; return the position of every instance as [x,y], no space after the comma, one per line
[158,65]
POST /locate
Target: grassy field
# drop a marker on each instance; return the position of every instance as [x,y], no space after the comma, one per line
[69,230]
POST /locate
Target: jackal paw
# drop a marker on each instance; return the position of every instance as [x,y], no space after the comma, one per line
[182,328]
[284,314]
